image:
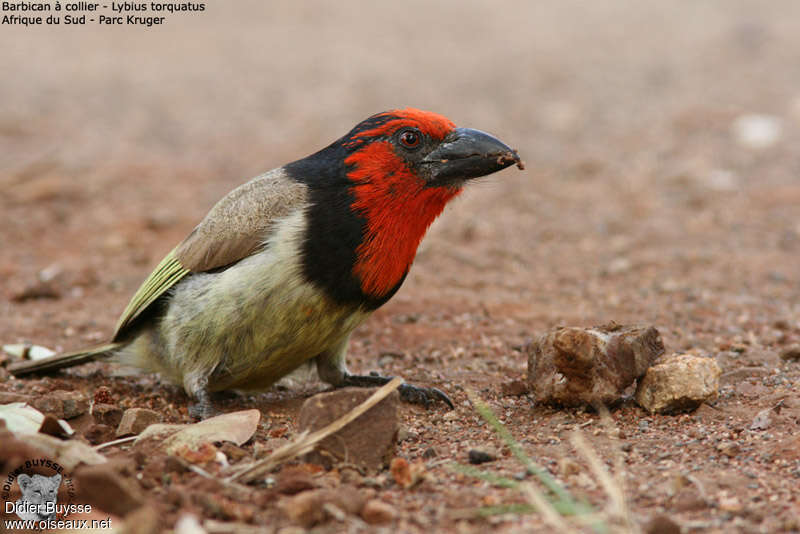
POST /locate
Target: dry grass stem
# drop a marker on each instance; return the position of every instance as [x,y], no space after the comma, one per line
[549,514]
[618,508]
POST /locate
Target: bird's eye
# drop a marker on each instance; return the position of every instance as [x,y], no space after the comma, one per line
[410,138]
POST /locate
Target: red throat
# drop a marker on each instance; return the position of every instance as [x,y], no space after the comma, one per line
[398,209]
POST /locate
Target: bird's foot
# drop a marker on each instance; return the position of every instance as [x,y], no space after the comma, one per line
[408,392]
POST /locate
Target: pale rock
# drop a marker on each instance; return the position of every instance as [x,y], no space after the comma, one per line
[680,382]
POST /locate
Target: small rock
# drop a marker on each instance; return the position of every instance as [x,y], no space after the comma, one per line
[37,289]
[98,433]
[312,507]
[25,351]
[790,353]
[107,414]
[514,388]
[377,512]
[573,366]
[102,395]
[367,442]
[233,452]
[662,524]
[7,397]
[481,456]
[430,453]
[757,131]
[729,448]
[681,382]
[730,504]
[350,475]
[188,524]
[135,420]
[568,467]
[293,480]
[762,420]
[62,404]
[688,499]
[56,427]
[407,475]
[746,389]
[201,454]
[101,486]
[401,472]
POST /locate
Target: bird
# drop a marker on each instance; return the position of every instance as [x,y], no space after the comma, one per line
[283,268]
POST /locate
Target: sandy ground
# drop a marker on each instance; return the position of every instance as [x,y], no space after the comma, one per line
[642,202]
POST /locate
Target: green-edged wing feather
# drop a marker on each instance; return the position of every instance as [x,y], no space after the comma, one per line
[163,277]
[237,226]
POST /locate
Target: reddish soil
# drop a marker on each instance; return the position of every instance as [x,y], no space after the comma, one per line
[639,204]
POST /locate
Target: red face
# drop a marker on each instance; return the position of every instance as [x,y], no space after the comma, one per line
[405,166]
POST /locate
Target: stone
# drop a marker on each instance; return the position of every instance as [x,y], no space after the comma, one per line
[367,442]
[678,383]
[102,395]
[294,480]
[514,388]
[102,486]
[312,507]
[762,420]
[407,475]
[107,414]
[571,366]
[377,512]
[135,420]
[98,433]
[62,404]
[481,456]
[688,499]
[790,353]
[662,524]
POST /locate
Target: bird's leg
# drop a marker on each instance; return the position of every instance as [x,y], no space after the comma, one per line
[331,369]
[201,407]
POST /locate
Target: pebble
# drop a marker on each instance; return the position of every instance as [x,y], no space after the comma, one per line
[377,512]
[680,382]
[312,507]
[99,433]
[62,404]
[662,524]
[107,414]
[571,366]
[790,353]
[135,420]
[480,456]
[366,442]
[757,131]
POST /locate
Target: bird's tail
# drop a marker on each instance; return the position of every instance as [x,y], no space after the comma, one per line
[60,361]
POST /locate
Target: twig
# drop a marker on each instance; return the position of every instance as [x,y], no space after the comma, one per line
[115,442]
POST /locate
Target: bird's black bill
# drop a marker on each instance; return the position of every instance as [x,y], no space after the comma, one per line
[466,153]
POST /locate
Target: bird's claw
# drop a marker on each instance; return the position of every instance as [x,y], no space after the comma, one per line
[423,396]
[409,393]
